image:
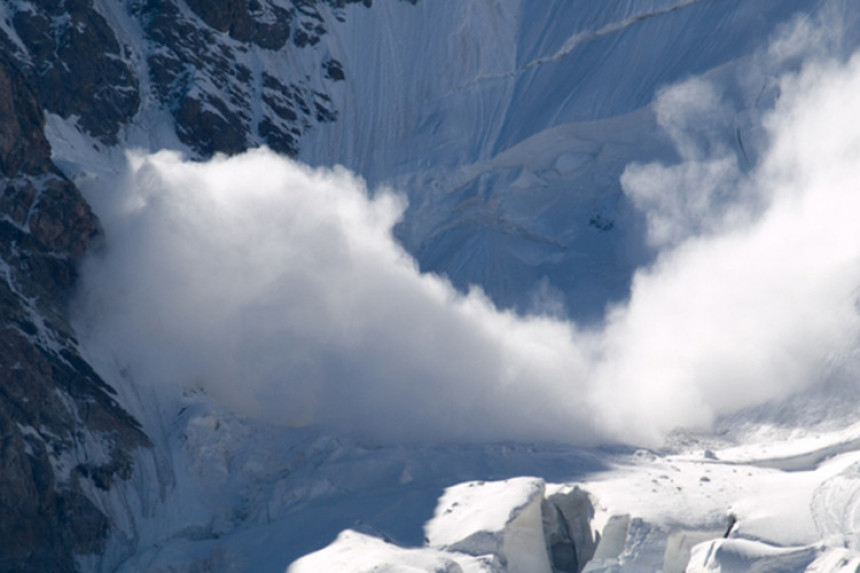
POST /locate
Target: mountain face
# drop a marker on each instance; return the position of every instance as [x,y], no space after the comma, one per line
[110,60]
[63,431]
[507,124]
[66,440]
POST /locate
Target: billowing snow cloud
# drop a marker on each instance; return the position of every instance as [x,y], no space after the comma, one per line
[280,289]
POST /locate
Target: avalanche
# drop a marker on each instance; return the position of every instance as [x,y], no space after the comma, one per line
[546,241]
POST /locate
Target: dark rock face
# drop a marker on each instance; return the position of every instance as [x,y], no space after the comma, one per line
[54,408]
[198,61]
[333,70]
[261,23]
[200,64]
[74,65]
[21,118]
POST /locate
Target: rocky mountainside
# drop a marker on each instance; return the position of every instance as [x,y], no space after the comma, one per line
[63,432]
[200,61]
[64,435]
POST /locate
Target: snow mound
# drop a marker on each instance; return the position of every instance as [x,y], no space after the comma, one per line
[357,553]
[519,525]
[741,555]
[499,518]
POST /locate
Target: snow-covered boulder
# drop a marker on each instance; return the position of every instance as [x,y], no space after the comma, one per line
[355,552]
[500,518]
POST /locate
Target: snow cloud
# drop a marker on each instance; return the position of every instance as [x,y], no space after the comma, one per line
[280,289]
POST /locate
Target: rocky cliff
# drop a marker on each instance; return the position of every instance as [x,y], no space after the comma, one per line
[62,430]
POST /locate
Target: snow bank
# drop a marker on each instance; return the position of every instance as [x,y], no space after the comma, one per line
[497,518]
[354,552]
[503,526]
[745,556]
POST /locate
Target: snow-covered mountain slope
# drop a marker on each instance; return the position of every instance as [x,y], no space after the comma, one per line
[509,124]
[662,157]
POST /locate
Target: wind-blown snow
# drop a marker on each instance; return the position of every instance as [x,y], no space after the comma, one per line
[281,290]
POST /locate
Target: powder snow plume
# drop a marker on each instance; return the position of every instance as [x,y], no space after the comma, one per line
[281,290]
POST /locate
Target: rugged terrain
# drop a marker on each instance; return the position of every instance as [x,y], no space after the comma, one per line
[507,125]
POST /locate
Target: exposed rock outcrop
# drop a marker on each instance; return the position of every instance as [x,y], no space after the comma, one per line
[203,65]
[74,64]
[62,431]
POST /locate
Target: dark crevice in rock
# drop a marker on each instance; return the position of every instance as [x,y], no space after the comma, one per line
[567,523]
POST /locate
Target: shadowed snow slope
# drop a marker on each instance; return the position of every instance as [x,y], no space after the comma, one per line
[508,124]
